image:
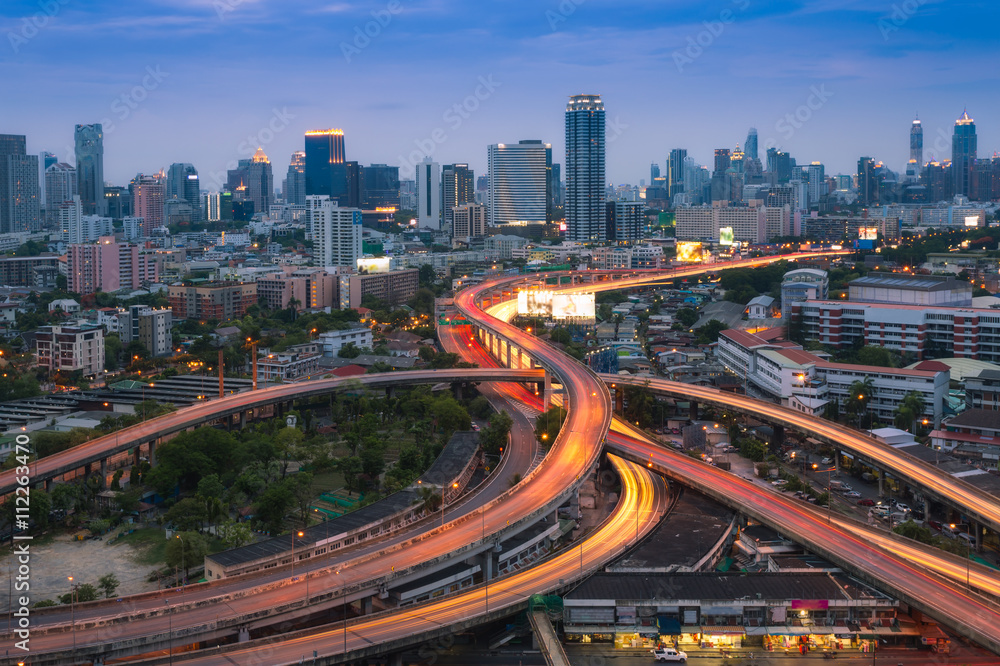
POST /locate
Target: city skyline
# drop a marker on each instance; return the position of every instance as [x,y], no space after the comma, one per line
[671,75]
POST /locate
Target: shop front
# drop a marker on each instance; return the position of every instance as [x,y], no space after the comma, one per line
[725,637]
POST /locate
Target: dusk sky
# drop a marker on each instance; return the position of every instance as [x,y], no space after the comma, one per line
[206,81]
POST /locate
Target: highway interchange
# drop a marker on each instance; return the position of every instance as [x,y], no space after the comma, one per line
[579,446]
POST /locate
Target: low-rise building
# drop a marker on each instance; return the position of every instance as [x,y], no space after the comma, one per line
[148,326]
[393,288]
[221,301]
[71,348]
[333,341]
[283,367]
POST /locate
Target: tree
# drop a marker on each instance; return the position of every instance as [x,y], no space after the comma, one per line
[67,496]
[112,350]
[910,409]
[235,535]
[349,350]
[494,437]
[186,550]
[82,594]
[430,497]
[686,316]
[710,332]
[350,468]
[188,514]
[423,301]
[639,402]
[41,505]
[878,356]
[272,506]
[548,424]
[860,395]
[109,584]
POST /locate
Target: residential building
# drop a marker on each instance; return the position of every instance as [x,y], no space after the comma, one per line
[983,391]
[626,221]
[501,246]
[222,301]
[28,271]
[60,186]
[333,341]
[294,190]
[519,177]
[108,266]
[976,427]
[800,285]
[429,194]
[20,192]
[324,163]
[152,328]
[761,307]
[282,291]
[585,169]
[147,203]
[457,189]
[675,172]
[393,288]
[132,228]
[71,348]
[213,211]
[286,367]
[903,289]
[79,228]
[335,231]
[468,222]
[90,167]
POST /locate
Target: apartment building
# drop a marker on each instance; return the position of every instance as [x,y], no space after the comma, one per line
[221,301]
[71,348]
[394,287]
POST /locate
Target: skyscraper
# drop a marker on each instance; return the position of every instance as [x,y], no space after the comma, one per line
[381,187]
[90,167]
[519,176]
[260,182]
[654,172]
[750,149]
[20,208]
[183,184]
[457,189]
[295,181]
[675,171]
[868,185]
[147,202]
[625,221]
[917,143]
[355,190]
[336,231]
[963,153]
[60,186]
[585,181]
[429,194]
[324,150]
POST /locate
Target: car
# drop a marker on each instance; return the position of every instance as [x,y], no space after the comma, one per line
[779,483]
[866,502]
[475,427]
[826,461]
[902,508]
[852,493]
[669,654]
[934,525]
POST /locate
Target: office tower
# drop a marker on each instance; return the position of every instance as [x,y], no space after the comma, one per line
[519,182]
[675,171]
[654,172]
[737,160]
[429,194]
[213,209]
[868,186]
[625,221]
[381,187]
[90,167]
[336,231]
[45,160]
[60,186]
[117,202]
[722,160]
[20,208]
[555,190]
[816,175]
[917,143]
[750,149]
[468,222]
[963,153]
[183,184]
[779,164]
[48,159]
[260,182]
[585,182]
[456,189]
[295,181]
[325,151]
[147,202]
[354,193]
[79,228]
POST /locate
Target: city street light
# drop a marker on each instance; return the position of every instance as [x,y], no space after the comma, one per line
[454,485]
[170,631]
[968,558]
[178,536]
[72,610]
[294,534]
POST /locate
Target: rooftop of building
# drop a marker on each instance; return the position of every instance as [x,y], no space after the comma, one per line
[911,282]
[961,369]
[976,418]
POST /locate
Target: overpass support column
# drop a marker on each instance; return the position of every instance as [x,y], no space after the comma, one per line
[135,455]
[48,485]
[619,399]
[547,396]
[508,356]
[395,659]
[978,545]
[152,453]
[927,508]
[881,483]
[693,411]
[104,472]
[366,606]
[486,564]
[836,461]
[243,419]
[778,437]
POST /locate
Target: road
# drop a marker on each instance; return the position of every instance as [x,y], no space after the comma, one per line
[916,473]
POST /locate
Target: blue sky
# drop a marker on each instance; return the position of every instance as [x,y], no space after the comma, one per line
[200,80]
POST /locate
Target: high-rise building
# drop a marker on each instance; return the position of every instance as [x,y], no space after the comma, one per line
[654,172]
[45,160]
[555,192]
[457,189]
[60,186]
[381,187]
[108,266]
[868,184]
[213,208]
[429,194]
[20,207]
[917,143]
[625,221]
[519,182]
[816,176]
[468,222]
[260,182]
[779,163]
[295,181]
[963,154]
[354,194]
[90,167]
[335,231]
[324,151]
[750,149]
[79,228]
[183,184]
[147,202]
[71,348]
[675,171]
[222,301]
[117,202]
[585,182]
[151,328]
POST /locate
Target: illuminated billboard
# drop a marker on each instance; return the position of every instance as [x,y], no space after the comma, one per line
[726,236]
[688,252]
[556,305]
[373,265]
[972,221]
[868,233]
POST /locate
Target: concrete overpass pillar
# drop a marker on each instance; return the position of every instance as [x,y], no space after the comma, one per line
[104,472]
[836,461]
[547,396]
[243,419]
[152,453]
[619,399]
[881,484]
[48,485]
[135,455]
[486,564]
[927,508]
[693,411]
[508,356]
[244,635]
[978,534]
[778,437]
[395,659]
[366,606]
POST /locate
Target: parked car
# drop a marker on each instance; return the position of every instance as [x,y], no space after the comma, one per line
[866,502]
[902,508]
[669,654]
[779,483]
[852,494]
[934,525]
[826,461]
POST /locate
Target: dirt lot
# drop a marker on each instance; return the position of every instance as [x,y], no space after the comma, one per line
[86,561]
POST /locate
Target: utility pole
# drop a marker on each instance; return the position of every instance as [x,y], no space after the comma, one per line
[222,391]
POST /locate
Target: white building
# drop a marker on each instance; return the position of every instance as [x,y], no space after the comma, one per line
[501,246]
[468,222]
[79,228]
[212,207]
[333,341]
[752,224]
[282,367]
[802,285]
[132,227]
[335,231]
[71,348]
[429,194]
[519,182]
[150,327]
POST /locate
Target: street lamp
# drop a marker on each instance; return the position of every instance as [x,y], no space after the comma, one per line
[295,534]
[968,559]
[182,558]
[72,610]
[170,631]
[454,485]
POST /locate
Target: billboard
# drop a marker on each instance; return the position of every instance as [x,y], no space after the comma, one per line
[689,252]
[726,236]
[972,221]
[556,305]
[868,233]
[373,265]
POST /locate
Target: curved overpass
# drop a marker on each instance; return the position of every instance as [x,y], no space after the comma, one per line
[973,502]
[149,431]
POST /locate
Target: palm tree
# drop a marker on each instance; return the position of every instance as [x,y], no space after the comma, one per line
[430,498]
[860,395]
[909,410]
